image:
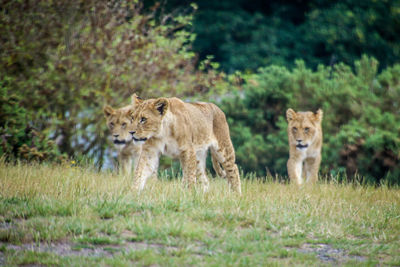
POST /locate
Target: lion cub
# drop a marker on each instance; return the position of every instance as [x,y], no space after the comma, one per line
[118,121]
[186,131]
[128,150]
[305,142]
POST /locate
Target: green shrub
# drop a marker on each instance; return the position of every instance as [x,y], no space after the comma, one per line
[18,139]
[361,118]
[67,59]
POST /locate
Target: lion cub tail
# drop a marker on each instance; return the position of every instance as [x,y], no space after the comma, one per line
[224,151]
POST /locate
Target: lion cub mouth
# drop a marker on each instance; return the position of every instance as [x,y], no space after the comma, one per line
[300,146]
[119,142]
[139,139]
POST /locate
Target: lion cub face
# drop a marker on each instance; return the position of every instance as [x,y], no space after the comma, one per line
[303,128]
[118,121]
[147,118]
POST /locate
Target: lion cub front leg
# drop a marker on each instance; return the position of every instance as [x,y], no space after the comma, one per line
[311,166]
[189,165]
[125,164]
[295,168]
[146,166]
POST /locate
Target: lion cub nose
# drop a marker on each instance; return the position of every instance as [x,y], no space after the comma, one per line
[132,132]
[299,140]
[116,135]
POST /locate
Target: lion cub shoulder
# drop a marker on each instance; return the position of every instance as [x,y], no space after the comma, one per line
[305,143]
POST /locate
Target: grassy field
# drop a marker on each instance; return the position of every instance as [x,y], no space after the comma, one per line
[63,215]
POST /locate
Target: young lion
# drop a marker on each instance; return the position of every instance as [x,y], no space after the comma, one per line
[118,121]
[186,131]
[305,142]
[129,150]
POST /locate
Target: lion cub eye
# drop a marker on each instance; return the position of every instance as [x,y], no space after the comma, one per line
[294,129]
[143,120]
[306,129]
[124,125]
[111,125]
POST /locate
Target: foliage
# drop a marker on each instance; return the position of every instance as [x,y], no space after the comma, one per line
[18,139]
[66,59]
[245,35]
[344,30]
[360,124]
[61,61]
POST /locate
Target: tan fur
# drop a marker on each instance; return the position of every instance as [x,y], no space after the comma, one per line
[186,131]
[117,121]
[305,143]
[129,150]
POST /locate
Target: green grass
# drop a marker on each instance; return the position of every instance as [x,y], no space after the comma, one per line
[62,215]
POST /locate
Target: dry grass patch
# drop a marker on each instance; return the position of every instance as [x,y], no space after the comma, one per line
[272,223]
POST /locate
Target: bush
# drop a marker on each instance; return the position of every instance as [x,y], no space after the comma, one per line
[67,59]
[361,115]
[18,139]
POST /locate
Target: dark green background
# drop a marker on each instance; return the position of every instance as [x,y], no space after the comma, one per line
[245,35]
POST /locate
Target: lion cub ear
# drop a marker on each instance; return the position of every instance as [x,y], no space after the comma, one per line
[135,100]
[129,113]
[108,111]
[290,114]
[318,115]
[161,105]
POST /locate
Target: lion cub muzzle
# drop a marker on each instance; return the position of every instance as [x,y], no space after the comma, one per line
[300,145]
[119,142]
[137,139]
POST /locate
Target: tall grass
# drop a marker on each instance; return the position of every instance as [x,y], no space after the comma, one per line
[269,223]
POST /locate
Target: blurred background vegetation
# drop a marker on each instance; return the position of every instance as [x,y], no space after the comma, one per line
[245,35]
[62,61]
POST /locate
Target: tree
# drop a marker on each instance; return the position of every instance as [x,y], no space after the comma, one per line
[245,35]
[66,59]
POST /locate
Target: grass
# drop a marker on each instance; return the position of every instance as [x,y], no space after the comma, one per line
[63,215]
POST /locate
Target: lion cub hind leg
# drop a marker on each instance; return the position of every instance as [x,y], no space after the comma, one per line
[217,166]
[201,156]
[311,167]
[232,171]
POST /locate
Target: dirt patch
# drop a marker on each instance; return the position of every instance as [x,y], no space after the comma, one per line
[62,249]
[68,248]
[71,249]
[326,253]
[6,225]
